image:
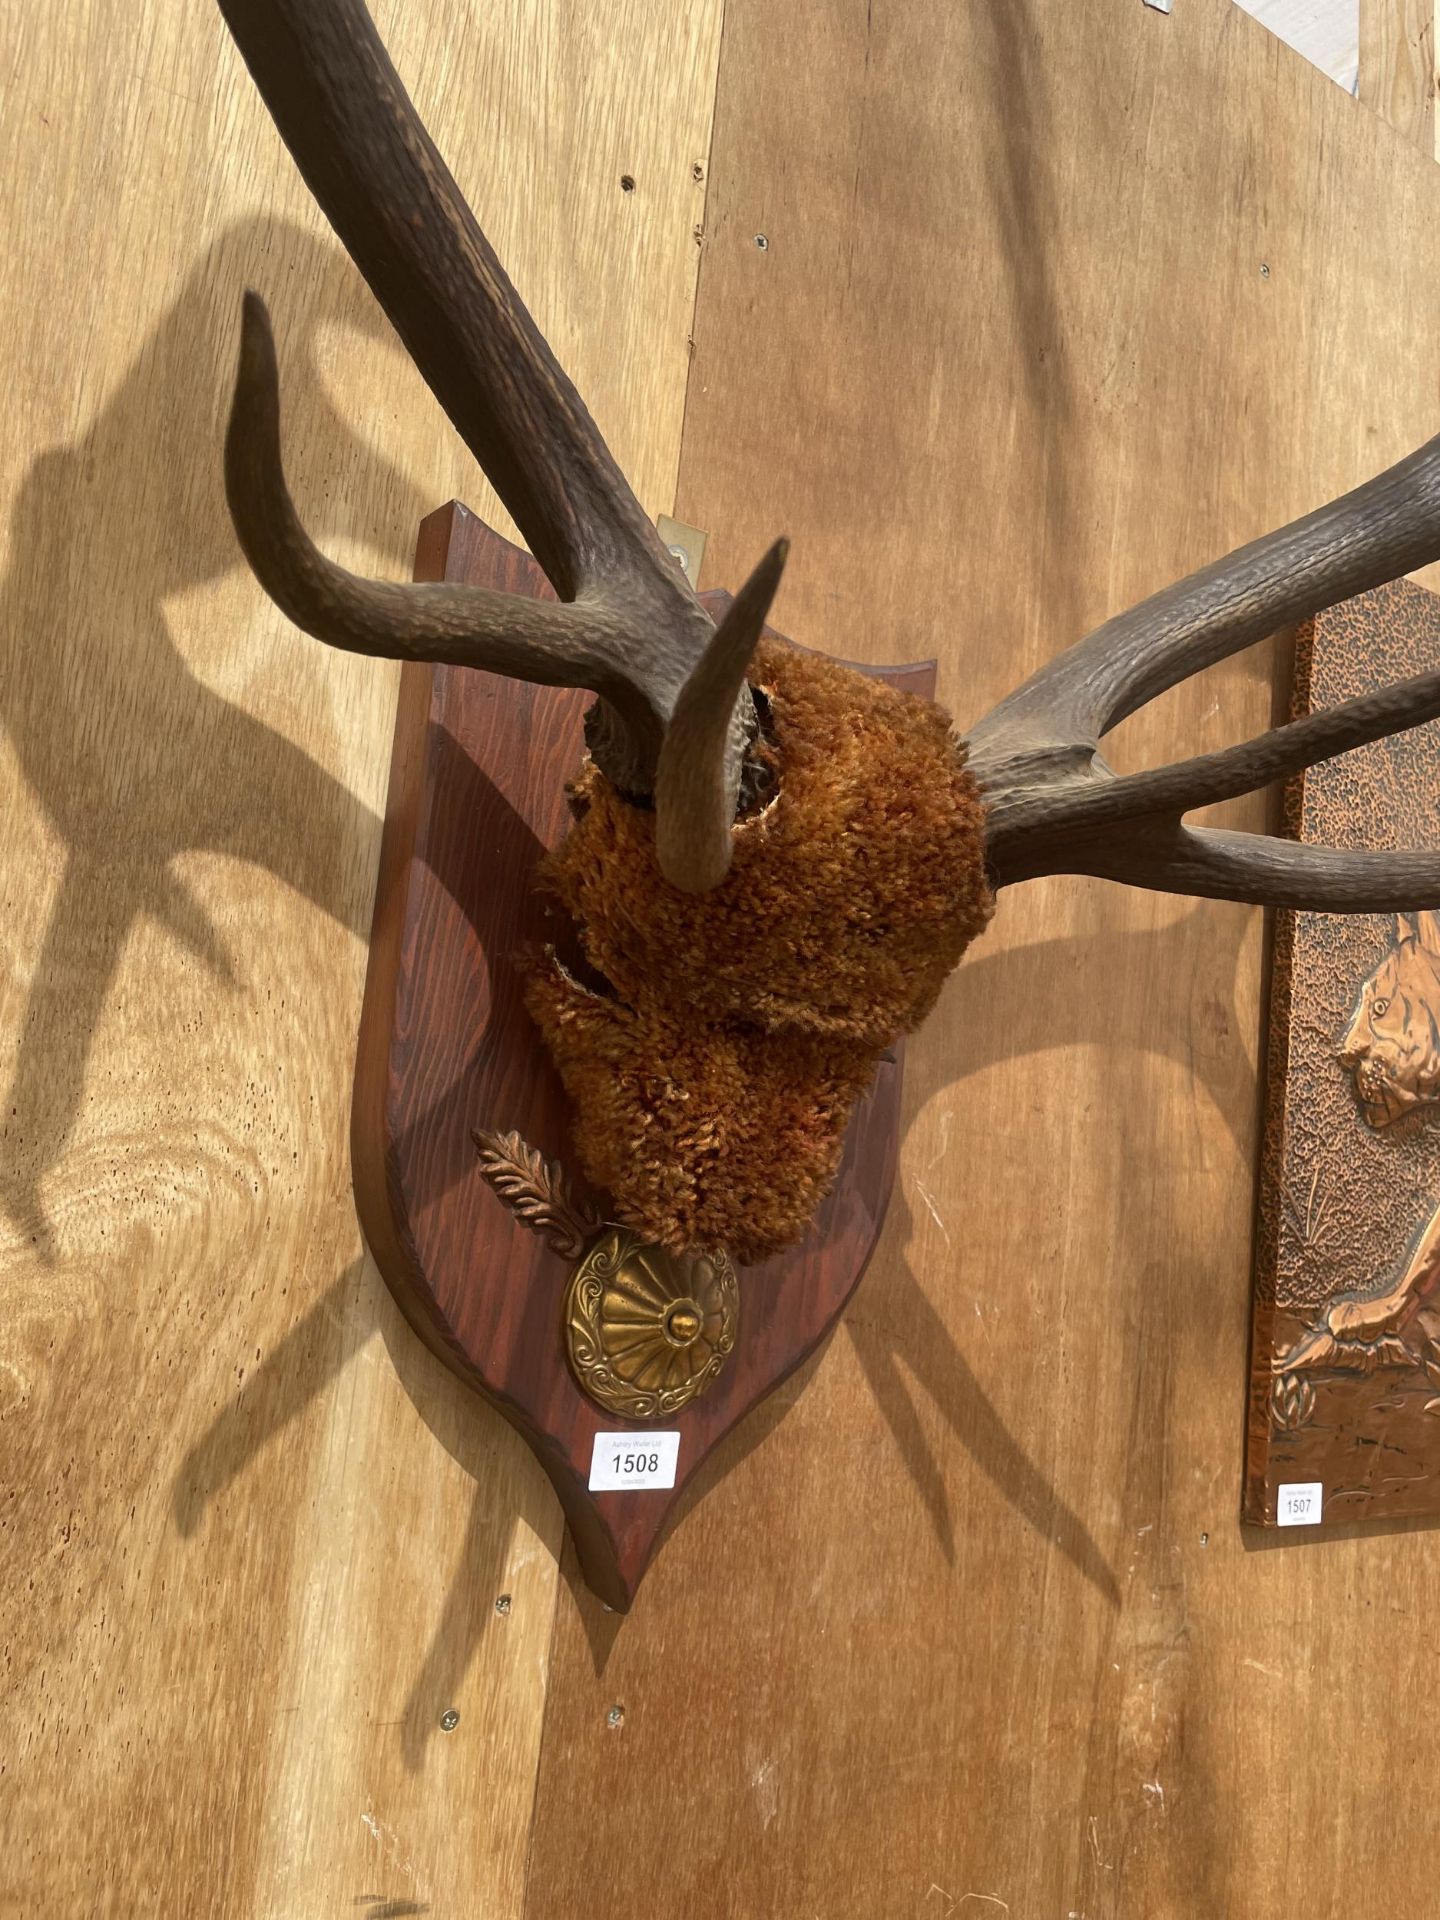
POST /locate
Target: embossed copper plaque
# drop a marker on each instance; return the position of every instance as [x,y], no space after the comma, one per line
[1345,1369]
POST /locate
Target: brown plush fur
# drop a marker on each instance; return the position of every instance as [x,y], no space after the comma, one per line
[711,1094]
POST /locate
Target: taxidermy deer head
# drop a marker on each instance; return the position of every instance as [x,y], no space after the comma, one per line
[775,861]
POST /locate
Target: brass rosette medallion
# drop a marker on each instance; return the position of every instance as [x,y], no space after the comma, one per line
[646,1330]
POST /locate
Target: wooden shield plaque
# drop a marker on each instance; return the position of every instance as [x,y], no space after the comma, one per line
[477,793]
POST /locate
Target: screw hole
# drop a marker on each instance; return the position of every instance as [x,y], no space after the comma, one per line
[627,183]
[502,1605]
[697,172]
[761,242]
[449,1720]
[1264,269]
[615,1718]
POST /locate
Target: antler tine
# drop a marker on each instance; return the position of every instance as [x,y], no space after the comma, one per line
[564,645]
[697,782]
[365,155]
[1165,793]
[1387,527]
[1254,868]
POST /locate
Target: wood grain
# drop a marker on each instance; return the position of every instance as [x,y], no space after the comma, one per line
[1057,301]
[251,1534]
[477,793]
[1397,67]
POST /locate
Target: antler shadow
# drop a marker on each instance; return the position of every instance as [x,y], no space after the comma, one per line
[296,1372]
[895,1324]
[134,760]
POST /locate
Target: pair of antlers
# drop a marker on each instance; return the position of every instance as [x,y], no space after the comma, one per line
[675,720]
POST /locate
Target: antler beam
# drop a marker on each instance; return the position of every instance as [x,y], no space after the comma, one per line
[364,153]
[628,625]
